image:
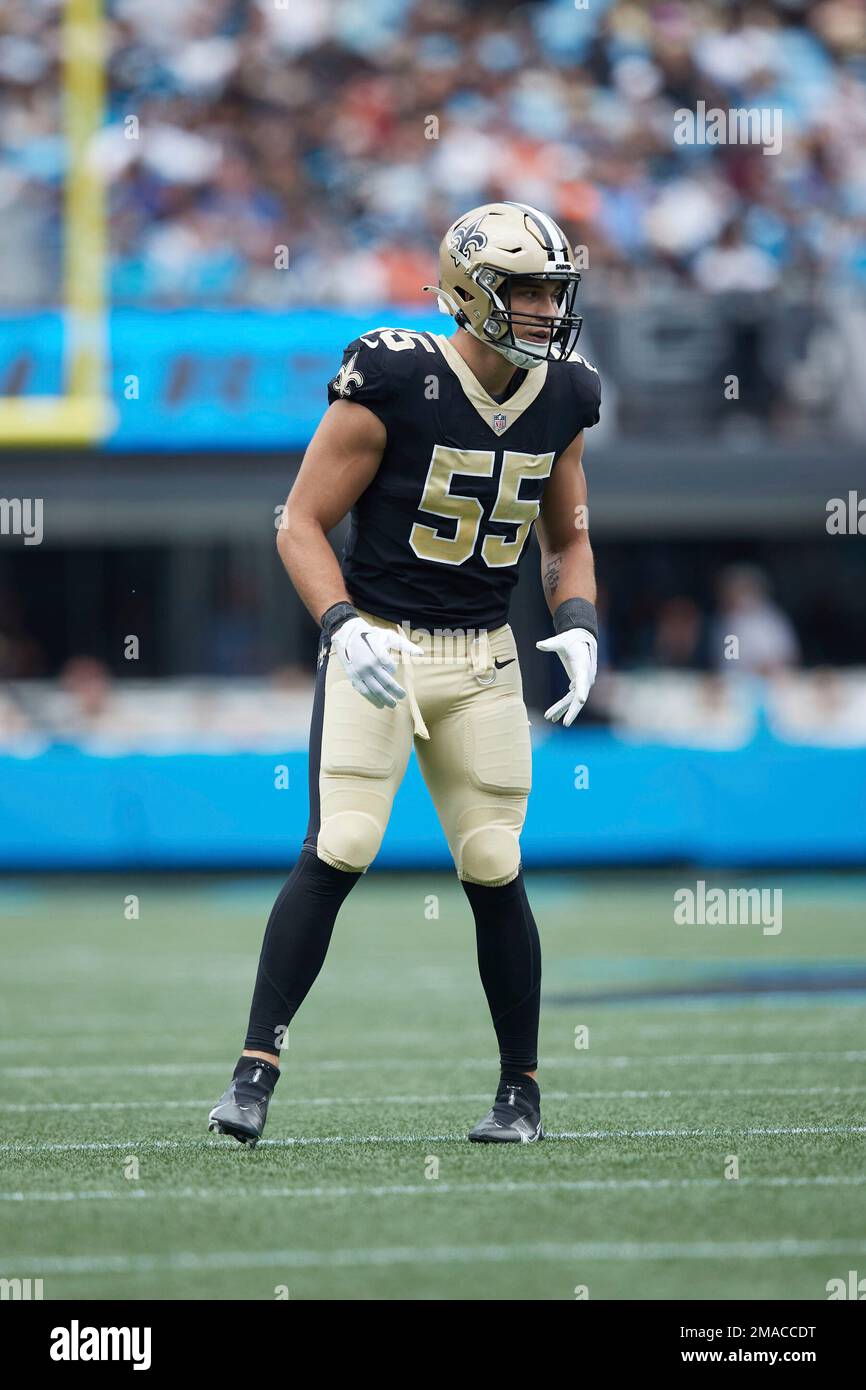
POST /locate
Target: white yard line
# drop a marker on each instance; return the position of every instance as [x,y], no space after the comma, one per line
[787,1247]
[219,1194]
[28,1107]
[580,1060]
[92,1041]
[139,1143]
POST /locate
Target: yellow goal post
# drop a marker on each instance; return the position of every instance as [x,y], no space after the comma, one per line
[82,413]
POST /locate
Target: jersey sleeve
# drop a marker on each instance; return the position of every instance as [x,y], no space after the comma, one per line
[370,373]
[586,392]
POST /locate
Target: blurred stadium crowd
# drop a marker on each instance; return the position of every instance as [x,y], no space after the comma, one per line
[87,708]
[685,678]
[353,133]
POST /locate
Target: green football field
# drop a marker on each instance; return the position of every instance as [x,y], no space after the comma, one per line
[700,1050]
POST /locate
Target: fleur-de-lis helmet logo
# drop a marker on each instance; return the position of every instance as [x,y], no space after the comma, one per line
[464,240]
[347,378]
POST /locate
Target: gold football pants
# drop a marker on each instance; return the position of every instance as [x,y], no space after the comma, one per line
[464,711]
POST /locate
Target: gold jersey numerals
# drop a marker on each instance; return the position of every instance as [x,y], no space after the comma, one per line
[438,500]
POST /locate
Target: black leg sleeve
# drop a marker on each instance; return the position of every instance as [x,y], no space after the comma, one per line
[509,959]
[296,942]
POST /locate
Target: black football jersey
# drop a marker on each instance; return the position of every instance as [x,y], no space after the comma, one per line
[437,537]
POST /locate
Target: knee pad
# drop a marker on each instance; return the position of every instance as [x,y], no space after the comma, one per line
[349,840]
[490,855]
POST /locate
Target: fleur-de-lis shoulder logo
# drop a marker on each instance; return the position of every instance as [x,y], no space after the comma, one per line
[347,378]
[465,239]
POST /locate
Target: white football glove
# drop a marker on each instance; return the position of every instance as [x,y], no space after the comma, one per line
[365,653]
[578,651]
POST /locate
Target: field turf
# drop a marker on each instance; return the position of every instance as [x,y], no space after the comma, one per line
[703,1043]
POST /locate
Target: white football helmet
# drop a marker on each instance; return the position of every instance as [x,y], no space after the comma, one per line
[482,254]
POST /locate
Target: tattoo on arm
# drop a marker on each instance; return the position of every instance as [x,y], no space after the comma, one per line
[551,576]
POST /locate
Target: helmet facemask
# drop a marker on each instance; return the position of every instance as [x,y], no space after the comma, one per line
[501,328]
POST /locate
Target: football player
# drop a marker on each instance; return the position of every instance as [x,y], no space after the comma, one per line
[446,451]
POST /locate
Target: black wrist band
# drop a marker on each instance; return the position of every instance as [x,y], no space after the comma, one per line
[576,612]
[336,615]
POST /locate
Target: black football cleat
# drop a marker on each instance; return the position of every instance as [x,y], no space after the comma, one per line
[515,1117]
[241,1112]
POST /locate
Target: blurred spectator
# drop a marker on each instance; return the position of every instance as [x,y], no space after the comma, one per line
[20,653]
[87,689]
[765,640]
[678,640]
[233,645]
[733,266]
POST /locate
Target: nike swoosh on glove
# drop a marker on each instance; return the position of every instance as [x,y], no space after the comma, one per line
[577,649]
[365,652]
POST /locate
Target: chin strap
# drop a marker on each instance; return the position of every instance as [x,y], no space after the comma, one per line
[526,360]
[447,305]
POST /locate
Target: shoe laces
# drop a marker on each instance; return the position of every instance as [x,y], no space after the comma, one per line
[511,1101]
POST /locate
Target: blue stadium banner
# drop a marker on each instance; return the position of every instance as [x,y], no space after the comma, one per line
[767,802]
[192,379]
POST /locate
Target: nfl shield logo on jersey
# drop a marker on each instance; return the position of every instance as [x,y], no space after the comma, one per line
[499,423]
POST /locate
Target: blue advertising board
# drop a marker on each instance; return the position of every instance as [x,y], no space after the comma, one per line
[192,379]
